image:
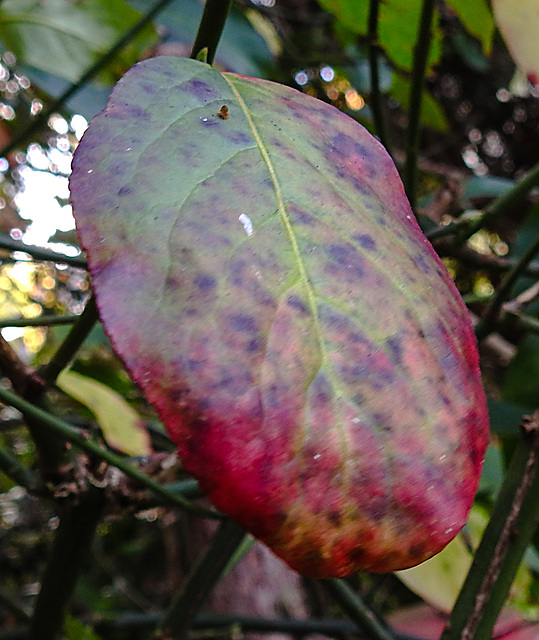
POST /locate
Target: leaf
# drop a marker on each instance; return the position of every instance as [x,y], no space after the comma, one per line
[438,580]
[519,24]
[265,282]
[398,26]
[65,37]
[477,19]
[122,427]
[432,114]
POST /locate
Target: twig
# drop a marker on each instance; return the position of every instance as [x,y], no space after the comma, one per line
[79,332]
[41,254]
[357,610]
[523,300]
[41,119]
[508,533]
[211,27]
[69,551]
[46,320]
[67,432]
[202,581]
[22,377]
[20,474]
[377,103]
[464,228]
[421,53]
[487,322]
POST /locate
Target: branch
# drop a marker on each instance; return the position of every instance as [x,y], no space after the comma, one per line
[23,378]
[201,581]
[41,254]
[79,332]
[210,28]
[66,432]
[21,474]
[421,53]
[509,532]
[357,610]
[46,320]
[70,549]
[377,103]
[464,228]
[488,321]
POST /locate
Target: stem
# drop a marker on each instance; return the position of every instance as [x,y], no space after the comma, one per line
[202,580]
[20,474]
[41,119]
[377,104]
[41,254]
[67,432]
[357,610]
[421,53]
[48,320]
[70,549]
[508,534]
[488,321]
[464,228]
[71,344]
[210,28]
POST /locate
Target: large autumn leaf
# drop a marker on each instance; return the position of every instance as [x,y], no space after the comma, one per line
[262,276]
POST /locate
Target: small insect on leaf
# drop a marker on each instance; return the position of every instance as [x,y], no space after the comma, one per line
[223,112]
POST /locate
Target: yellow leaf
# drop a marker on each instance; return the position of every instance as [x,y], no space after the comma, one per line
[121,425]
[438,580]
[519,25]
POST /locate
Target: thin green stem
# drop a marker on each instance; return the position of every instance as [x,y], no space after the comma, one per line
[70,550]
[20,474]
[41,254]
[357,610]
[377,97]
[488,321]
[511,527]
[421,54]
[464,228]
[79,332]
[210,28]
[202,581]
[41,119]
[66,432]
[39,321]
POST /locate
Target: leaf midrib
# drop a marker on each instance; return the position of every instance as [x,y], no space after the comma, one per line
[310,292]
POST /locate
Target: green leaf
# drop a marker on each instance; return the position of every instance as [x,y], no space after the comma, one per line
[76,630]
[65,37]
[264,279]
[432,114]
[122,427]
[398,27]
[477,19]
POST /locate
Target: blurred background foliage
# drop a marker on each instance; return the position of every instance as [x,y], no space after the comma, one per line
[479,137]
